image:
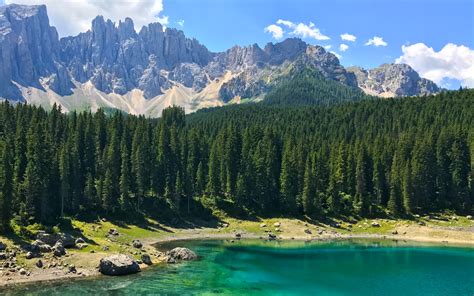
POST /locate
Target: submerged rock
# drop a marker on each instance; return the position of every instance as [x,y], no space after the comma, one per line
[118,265]
[178,254]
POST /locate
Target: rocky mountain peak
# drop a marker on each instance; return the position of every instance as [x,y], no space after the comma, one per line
[113,65]
[390,80]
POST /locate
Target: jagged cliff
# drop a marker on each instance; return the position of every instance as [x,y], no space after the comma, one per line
[114,66]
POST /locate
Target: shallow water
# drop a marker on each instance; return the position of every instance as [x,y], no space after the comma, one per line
[291,268]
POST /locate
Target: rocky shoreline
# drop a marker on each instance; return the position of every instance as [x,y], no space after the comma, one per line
[48,258]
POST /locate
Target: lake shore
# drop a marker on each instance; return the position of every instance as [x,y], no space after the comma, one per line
[454,232]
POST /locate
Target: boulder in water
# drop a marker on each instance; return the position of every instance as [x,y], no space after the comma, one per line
[178,254]
[118,265]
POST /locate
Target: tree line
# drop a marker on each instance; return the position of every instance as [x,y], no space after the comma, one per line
[370,158]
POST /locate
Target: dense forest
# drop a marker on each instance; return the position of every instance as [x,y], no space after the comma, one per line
[375,157]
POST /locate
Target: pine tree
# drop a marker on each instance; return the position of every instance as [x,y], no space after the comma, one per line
[395,202]
[309,189]
[125,177]
[6,184]
[337,181]
[460,168]
[289,178]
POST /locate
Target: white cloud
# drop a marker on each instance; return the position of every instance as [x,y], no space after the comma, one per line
[451,62]
[343,47]
[180,23]
[336,54]
[74,16]
[348,37]
[376,41]
[303,30]
[276,31]
[327,47]
[286,23]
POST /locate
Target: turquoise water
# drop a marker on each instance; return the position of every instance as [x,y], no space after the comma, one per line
[292,268]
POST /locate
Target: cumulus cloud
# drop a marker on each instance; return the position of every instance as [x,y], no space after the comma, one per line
[343,47]
[276,31]
[376,41]
[74,16]
[327,47]
[180,23]
[303,30]
[451,62]
[348,37]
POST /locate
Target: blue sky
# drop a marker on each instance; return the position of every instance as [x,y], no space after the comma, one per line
[221,24]
[438,35]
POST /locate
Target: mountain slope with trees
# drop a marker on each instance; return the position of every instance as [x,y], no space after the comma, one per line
[369,158]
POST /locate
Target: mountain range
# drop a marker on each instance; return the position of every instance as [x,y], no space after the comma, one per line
[114,66]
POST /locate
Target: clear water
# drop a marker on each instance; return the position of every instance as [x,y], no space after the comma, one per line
[291,268]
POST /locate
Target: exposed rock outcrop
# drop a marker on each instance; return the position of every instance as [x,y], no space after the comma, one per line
[390,80]
[114,66]
[118,265]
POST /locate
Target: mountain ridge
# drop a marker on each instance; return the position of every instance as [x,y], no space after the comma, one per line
[141,72]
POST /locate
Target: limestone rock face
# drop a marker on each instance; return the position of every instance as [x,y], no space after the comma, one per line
[30,51]
[113,65]
[393,80]
[118,265]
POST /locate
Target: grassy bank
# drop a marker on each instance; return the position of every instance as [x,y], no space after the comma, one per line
[446,229]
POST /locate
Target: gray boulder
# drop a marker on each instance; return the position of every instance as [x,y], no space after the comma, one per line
[146,259]
[118,265]
[30,255]
[68,240]
[272,236]
[58,249]
[51,239]
[137,244]
[179,254]
[43,247]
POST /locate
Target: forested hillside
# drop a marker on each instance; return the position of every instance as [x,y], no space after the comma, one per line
[306,86]
[370,158]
